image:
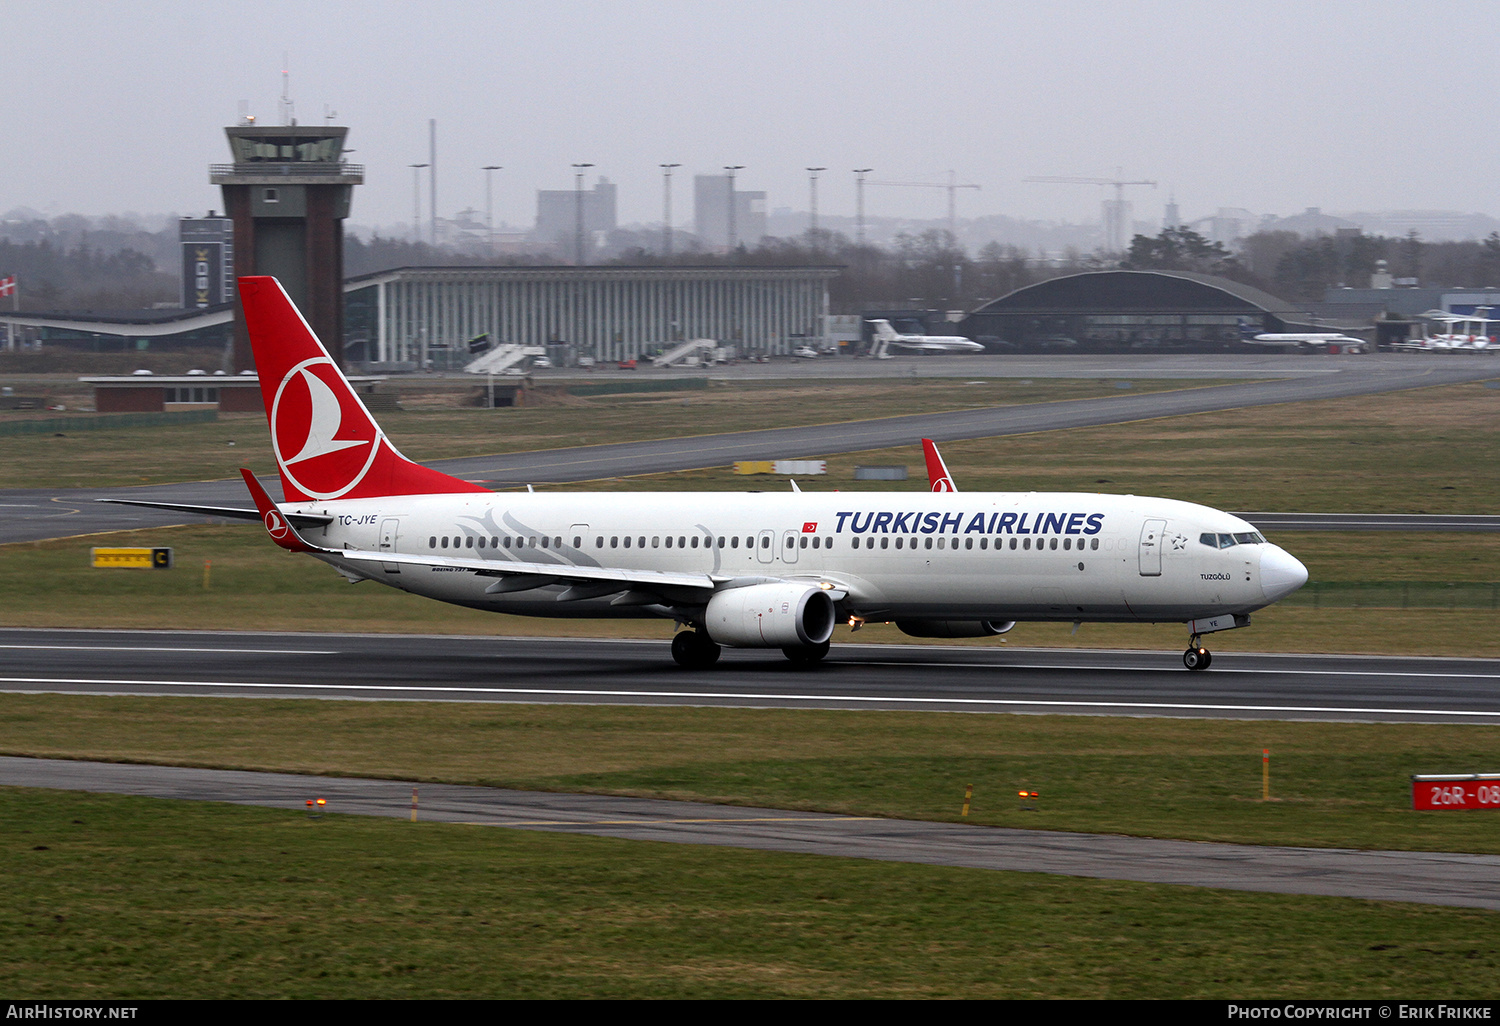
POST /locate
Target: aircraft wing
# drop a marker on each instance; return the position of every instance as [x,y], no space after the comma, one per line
[592,582]
[523,576]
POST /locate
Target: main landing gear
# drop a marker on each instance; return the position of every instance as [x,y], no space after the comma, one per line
[806,655]
[694,650]
[1196,657]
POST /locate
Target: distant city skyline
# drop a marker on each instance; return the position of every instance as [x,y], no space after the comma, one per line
[1273,107]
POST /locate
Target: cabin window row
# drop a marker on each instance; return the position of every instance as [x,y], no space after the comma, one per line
[614,541]
[1021,544]
[498,542]
[693,541]
[816,541]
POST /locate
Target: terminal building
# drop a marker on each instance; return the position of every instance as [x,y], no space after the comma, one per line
[397,319]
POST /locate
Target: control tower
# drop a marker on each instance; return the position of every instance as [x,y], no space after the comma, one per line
[288,193]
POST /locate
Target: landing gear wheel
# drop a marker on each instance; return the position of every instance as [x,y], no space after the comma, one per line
[1197,658]
[694,650]
[806,654]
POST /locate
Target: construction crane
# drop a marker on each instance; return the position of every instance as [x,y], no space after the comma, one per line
[1114,213]
[953,186]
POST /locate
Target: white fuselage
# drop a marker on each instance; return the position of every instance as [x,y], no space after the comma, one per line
[937,344]
[904,555]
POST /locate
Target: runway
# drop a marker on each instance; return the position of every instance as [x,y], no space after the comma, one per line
[989,679]
[1439,878]
[36,514]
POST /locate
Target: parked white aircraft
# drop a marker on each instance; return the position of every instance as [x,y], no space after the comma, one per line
[1303,340]
[887,336]
[744,570]
[1462,332]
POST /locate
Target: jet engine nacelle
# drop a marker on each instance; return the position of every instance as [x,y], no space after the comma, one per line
[954,628]
[770,616]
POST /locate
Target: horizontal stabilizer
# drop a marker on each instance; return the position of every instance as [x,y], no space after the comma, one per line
[224,512]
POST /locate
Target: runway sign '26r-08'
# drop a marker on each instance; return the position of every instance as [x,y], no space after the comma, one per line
[1455,792]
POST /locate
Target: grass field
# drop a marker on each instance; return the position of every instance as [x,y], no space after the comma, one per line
[218,902]
[433,428]
[133,898]
[1333,785]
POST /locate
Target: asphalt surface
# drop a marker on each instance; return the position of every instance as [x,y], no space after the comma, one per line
[1436,878]
[992,678]
[34,514]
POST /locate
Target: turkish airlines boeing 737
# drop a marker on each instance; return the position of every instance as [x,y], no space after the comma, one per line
[744,570]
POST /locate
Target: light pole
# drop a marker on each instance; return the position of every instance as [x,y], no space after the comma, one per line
[489,206]
[859,204]
[812,198]
[732,168]
[416,201]
[666,208]
[432,177]
[578,210]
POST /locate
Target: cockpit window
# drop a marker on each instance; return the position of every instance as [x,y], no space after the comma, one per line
[1225,541]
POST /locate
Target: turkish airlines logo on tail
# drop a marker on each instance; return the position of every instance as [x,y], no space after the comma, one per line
[943,484]
[325,442]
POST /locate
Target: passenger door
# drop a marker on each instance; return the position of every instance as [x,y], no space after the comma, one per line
[1151,538]
[388,528]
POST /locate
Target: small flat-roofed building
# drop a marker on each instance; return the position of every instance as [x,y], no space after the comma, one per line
[162,393]
[176,393]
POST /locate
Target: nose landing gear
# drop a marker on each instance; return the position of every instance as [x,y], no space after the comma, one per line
[1196,657]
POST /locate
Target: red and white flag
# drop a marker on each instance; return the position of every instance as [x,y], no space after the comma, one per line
[8,286]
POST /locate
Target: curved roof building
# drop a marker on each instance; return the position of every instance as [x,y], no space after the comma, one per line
[1130,310]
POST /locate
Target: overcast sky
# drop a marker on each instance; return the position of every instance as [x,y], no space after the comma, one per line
[1269,105]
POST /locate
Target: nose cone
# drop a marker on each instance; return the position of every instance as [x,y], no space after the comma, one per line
[1281,573]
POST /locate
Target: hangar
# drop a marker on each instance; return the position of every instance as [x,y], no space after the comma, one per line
[1130,311]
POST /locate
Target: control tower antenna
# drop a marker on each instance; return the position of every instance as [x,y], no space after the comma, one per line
[288,110]
[1114,211]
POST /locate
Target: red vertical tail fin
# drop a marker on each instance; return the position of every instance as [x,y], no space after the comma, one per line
[327,445]
[938,478]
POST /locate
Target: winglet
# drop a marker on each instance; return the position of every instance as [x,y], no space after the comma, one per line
[277,525]
[938,478]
